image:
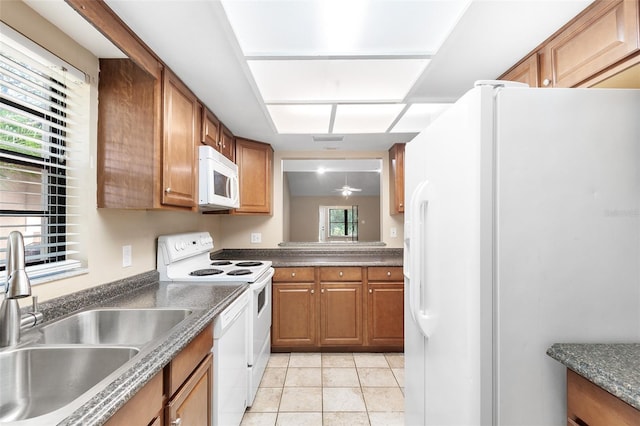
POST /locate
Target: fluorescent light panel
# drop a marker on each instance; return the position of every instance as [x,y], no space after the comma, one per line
[340,80]
[418,117]
[372,118]
[341,27]
[300,118]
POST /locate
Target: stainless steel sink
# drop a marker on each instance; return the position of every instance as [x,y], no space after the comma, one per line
[134,327]
[39,380]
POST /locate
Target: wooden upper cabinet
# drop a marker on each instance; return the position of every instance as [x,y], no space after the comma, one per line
[210,129]
[605,34]
[227,143]
[526,71]
[396,178]
[181,132]
[255,170]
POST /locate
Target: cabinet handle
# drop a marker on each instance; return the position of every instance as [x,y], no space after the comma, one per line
[388,273]
[370,291]
[168,190]
[313,291]
[340,273]
[293,274]
[322,291]
[546,82]
[176,422]
[401,205]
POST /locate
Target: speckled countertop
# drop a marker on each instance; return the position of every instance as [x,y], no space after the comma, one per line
[613,367]
[140,291]
[318,256]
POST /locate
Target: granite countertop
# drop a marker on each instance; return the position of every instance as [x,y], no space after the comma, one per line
[141,291]
[613,367]
[318,256]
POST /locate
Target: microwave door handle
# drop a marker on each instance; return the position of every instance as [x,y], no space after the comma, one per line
[234,188]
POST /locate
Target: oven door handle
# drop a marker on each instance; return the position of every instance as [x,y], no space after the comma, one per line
[262,281]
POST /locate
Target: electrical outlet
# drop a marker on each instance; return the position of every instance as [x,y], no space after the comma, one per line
[126,256]
[394,232]
[256,238]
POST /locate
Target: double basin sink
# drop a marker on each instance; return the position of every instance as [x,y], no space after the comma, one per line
[67,358]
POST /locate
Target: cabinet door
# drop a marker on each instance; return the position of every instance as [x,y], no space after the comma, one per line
[385,303]
[341,314]
[210,129]
[294,315]
[181,133]
[254,161]
[191,406]
[604,35]
[227,143]
[396,178]
[526,71]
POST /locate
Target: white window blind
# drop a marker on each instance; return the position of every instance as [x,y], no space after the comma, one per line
[41,101]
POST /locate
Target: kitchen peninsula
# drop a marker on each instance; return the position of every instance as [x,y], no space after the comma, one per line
[334,297]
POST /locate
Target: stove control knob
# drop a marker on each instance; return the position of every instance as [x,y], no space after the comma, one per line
[177,246]
[183,246]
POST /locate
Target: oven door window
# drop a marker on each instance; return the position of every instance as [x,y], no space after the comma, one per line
[262,300]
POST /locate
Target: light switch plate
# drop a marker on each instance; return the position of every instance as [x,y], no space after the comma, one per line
[394,232]
[256,238]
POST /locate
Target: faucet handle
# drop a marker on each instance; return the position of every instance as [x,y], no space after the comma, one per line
[34,304]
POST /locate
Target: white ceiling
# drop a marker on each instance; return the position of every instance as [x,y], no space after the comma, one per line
[196,39]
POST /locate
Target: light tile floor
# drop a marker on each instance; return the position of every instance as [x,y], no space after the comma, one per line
[330,389]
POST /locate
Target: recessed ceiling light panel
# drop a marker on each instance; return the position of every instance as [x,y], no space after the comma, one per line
[341,27]
[300,118]
[337,80]
[365,118]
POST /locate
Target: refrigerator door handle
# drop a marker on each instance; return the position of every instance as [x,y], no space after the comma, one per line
[424,317]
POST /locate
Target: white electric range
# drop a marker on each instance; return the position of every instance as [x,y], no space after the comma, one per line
[186,258]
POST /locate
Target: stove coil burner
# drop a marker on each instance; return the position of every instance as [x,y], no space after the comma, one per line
[239,272]
[248,264]
[205,272]
[221,263]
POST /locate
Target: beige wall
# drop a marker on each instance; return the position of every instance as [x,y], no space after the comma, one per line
[305,216]
[103,232]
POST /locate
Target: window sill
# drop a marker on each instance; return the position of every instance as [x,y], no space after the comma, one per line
[55,276]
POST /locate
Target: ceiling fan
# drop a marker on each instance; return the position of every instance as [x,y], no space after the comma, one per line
[347,190]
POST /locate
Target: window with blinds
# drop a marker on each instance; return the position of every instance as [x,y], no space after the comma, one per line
[41,100]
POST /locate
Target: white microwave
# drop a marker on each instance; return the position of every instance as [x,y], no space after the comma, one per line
[218,181]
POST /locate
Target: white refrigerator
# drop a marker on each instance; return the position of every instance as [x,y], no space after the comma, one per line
[523,229]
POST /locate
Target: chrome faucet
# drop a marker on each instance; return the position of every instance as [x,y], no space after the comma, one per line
[17,287]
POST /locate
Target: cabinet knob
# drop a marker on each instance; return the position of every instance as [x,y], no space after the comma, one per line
[176,422]
[313,291]
[401,204]
[293,274]
[546,82]
[370,291]
[322,291]
[388,273]
[168,190]
[340,273]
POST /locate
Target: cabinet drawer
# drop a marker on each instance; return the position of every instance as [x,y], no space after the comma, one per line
[385,273]
[341,274]
[186,361]
[143,407]
[294,275]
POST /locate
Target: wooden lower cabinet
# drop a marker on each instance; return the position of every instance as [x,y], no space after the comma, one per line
[334,308]
[191,405]
[294,308]
[590,405]
[144,408]
[385,307]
